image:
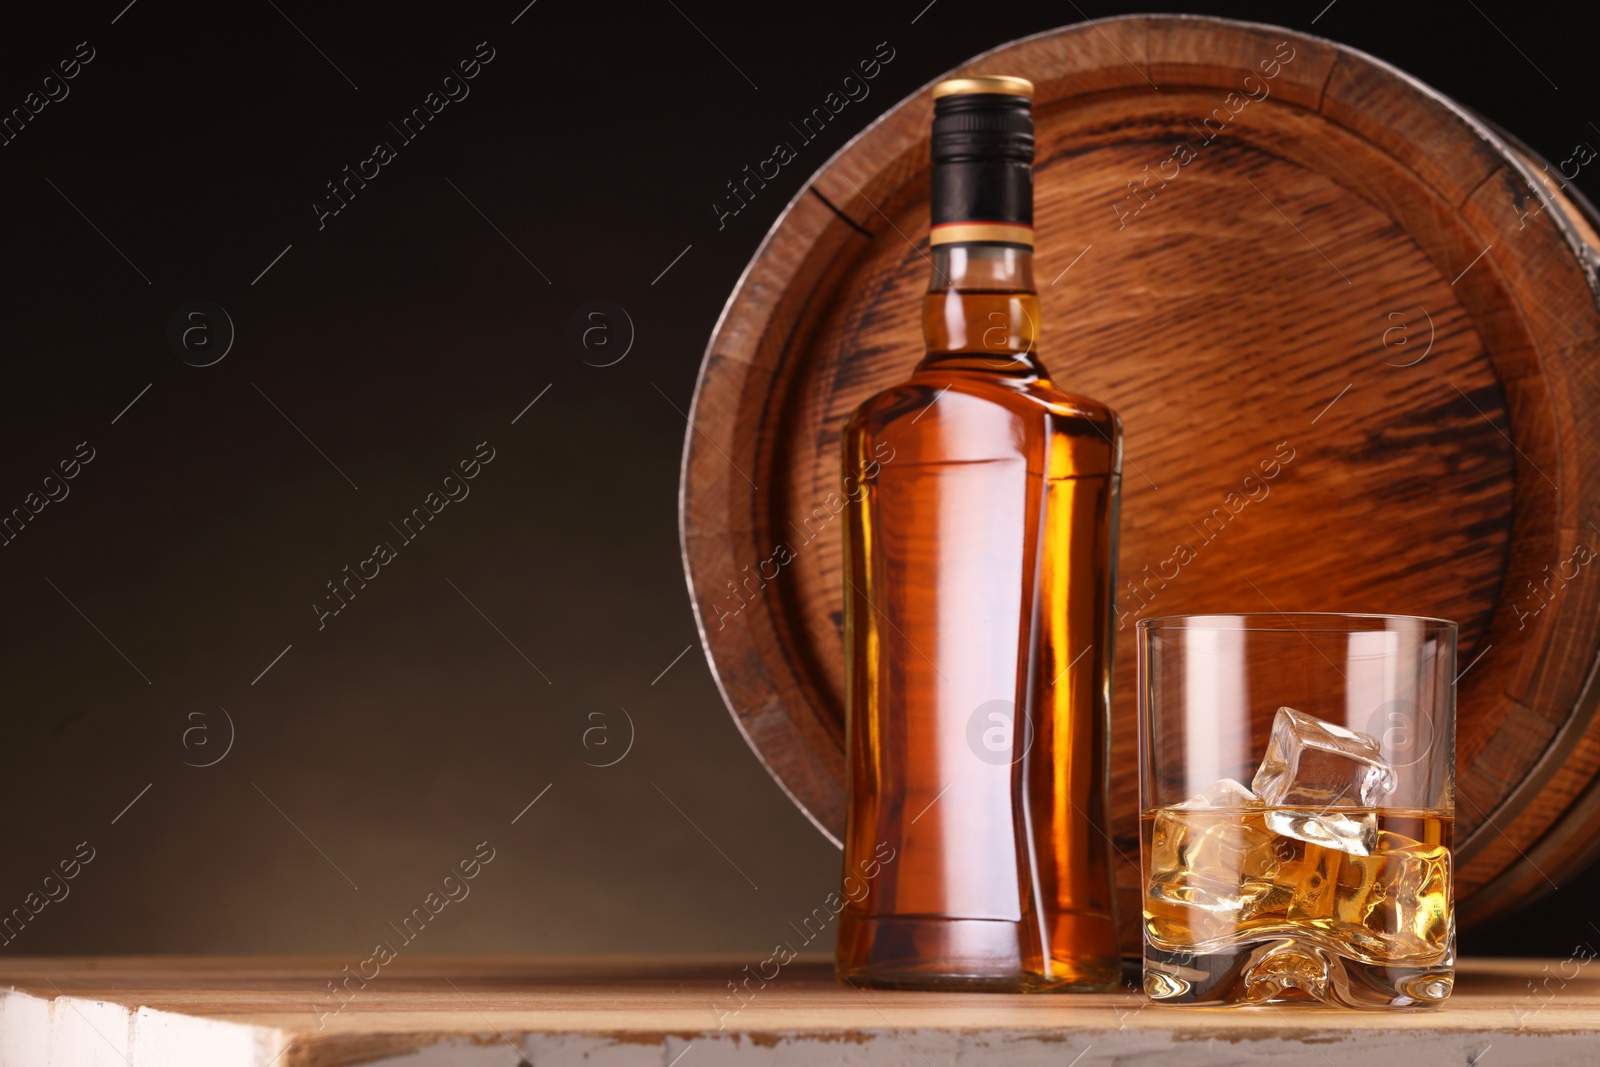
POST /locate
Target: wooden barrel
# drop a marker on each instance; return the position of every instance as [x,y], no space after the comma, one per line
[1260,248]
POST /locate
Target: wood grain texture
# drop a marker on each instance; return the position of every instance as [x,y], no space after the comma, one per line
[1344,265]
[504,1012]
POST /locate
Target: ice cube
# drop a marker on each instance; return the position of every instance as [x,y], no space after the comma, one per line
[1316,884]
[1313,769]
[1355,832]
[1395,903]
[1225,793]
[1201,860]
[1216,847]
[1311,763]
[1202,851]
[1273,886]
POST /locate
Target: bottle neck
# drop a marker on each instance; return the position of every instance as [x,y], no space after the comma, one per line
[981,307]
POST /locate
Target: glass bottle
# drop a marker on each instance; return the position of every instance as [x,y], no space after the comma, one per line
[980,550]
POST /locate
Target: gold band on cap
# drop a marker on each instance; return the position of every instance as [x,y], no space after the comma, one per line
[984,83]
[1011,233]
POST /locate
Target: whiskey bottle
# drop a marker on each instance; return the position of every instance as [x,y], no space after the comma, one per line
[979,565]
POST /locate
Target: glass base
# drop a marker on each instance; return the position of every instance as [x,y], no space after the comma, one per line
[965,955]
[1285,970]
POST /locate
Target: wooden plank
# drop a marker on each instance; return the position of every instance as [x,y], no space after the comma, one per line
[505,1011]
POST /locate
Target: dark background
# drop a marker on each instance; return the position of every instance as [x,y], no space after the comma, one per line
[377,352]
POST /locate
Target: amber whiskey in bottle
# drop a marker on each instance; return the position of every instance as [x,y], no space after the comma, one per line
[979,554]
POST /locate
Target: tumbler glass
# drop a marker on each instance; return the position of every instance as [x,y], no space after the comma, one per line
[1297,795]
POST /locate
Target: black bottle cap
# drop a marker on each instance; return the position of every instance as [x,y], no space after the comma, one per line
[983,161]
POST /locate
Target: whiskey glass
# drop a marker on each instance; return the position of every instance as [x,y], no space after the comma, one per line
[1297,797]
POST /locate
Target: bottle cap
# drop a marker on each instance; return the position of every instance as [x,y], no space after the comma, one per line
[983,160]
[1001,84]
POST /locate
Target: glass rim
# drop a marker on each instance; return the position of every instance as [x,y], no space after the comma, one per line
[1314,621]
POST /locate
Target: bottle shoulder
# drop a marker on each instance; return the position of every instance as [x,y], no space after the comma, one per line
[978,394]
[974,417]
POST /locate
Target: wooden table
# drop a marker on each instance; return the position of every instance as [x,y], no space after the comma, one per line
[506,1012]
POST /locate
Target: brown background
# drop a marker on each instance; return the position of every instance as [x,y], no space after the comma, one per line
[380,750]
